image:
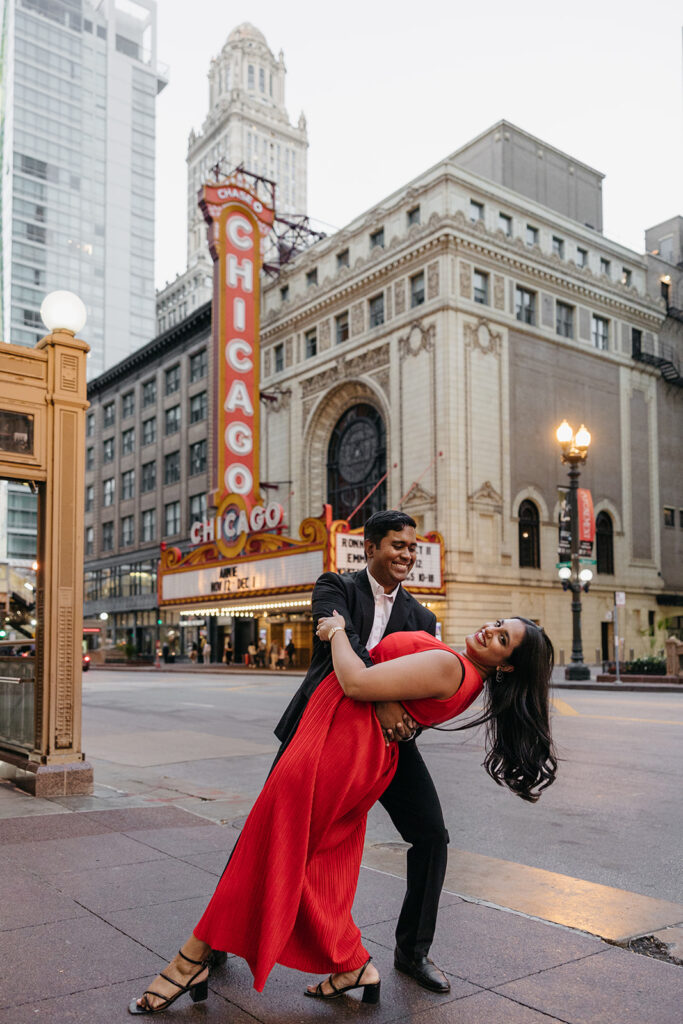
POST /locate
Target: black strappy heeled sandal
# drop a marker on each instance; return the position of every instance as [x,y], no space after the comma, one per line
[370,990]
[198,990]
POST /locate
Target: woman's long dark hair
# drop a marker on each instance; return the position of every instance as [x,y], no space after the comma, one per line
[519,748]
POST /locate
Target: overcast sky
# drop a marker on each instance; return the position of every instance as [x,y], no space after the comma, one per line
[389,88]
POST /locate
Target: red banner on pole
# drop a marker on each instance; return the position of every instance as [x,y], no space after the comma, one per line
[586,521]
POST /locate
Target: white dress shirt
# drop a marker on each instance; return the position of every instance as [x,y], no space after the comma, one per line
[384,604]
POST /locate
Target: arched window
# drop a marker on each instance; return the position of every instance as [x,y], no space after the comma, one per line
[604,546]
[356,462]
[529,546]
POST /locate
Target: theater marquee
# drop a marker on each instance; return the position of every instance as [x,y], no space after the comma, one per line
[237,219]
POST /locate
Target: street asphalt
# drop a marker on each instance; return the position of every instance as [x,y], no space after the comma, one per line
[539,906]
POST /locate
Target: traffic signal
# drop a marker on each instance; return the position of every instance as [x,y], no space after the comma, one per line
[3,634]
[159,622]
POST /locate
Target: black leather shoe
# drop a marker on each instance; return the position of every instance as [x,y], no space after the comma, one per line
[423,970]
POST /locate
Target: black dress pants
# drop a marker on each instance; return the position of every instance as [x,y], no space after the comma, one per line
[412,803]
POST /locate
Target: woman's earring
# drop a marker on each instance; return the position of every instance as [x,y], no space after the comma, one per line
[499,675]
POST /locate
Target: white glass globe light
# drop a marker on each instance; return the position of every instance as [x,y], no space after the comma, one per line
[564,433]
[586,575]
[564,572]
[583,437]
[63,310]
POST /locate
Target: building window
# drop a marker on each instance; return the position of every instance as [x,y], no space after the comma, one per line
[90,425]
[476,211]
[149,392]
[343,259]
[604,550]
[600,333]
[529,547]
[376,305]
[377,239]
[505,224]
[341,328]
[89,497]
[172,379]
[356,463]
[89,540]
[127,404]
[172,420]
[198,365]
[636,342]
[108,414]
[284,293]
[197,458]
[481,287]
[108,450]
[564,320]
[605,266]
[531,235]
[417,289]
[149,431]
[626,276]
[148,524]
[310,343]
[558,246]
[279,357]
[525,305]
[413,216]
[128,485]
[107,536]
[171,518]
[128,441]
[149,476]
[199,406]
[669,516]
[197,508]
[90,458]
[127,530]
[312,277]
[250,76]
[581,257]
[172,468]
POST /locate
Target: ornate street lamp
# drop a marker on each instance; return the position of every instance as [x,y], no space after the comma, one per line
[574,454]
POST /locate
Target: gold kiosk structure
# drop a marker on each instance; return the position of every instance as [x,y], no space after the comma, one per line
[43,399]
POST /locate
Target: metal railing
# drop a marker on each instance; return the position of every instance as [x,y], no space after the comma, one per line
[17,702]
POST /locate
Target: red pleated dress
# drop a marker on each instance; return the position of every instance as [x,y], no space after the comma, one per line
[286,894]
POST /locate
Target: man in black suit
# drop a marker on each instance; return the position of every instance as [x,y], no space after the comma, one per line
[374,604]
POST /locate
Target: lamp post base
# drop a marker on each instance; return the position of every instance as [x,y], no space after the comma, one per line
[577,671]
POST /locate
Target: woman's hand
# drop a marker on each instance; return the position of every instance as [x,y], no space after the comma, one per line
[327,624]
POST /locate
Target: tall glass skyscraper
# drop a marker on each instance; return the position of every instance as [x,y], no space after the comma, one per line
[79,81]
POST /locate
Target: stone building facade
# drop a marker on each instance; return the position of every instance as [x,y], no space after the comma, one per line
[424,356]
[473,319]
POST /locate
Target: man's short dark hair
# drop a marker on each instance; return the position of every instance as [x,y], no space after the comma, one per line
[379,524]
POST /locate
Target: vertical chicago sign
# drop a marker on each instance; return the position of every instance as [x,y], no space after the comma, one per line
[238,221]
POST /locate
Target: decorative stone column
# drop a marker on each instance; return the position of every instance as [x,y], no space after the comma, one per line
[48,384]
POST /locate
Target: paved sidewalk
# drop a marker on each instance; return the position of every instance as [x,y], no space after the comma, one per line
[92,904]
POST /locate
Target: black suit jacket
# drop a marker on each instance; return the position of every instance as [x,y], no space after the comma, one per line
[349,594]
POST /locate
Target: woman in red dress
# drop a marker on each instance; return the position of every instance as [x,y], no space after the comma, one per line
[286,894]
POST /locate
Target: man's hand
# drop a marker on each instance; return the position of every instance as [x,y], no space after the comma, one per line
[397,725]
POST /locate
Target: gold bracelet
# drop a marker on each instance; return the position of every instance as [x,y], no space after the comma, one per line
[335,629]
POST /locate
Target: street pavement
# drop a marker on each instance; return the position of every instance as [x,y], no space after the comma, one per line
[97,892]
